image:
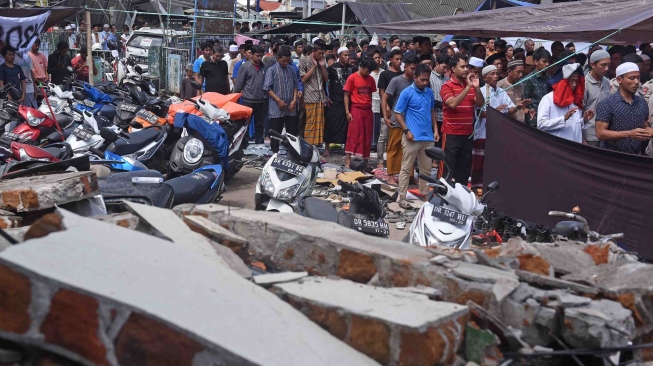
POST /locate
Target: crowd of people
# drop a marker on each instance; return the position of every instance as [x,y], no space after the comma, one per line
[398,97]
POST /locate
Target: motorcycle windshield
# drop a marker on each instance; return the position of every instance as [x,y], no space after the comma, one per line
[95,94]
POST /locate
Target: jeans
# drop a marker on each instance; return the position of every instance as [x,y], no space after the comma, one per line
[277,124]
[259,112]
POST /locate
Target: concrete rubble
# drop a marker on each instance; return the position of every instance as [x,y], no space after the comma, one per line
[216,285]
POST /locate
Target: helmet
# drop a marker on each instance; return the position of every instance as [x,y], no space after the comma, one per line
[96,47]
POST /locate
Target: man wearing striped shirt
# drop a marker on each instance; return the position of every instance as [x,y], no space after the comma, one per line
[460,96]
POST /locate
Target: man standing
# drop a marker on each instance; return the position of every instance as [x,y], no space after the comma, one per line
[335,129]
[313,72]
[394,42]
[281,84]
[394,69]
[80,66]
[299,48]
[214,74]
[415,114]
[490,48]
[478,51]
[105,37]
[537,86]
[249,81]
[11,73]
[529,47]
[436,80]
[556,49]
[596,89]
[70,37]
[58,63]
[617,54]
[247,57]
[207,51]
[394,131]
[234,60]
[461,95]
[515,93]
[39,63]
[622,119]
[637,60]
[358,106]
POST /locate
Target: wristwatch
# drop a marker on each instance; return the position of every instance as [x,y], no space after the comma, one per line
[406,131]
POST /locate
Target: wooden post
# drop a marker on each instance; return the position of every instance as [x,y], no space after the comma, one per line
[89,44]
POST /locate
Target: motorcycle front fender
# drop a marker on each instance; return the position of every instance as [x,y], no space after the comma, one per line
[276,205]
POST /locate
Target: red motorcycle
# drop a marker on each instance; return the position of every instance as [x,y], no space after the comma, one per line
[39,128]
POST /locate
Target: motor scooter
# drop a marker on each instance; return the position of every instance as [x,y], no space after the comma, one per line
[447,218]
[285,181]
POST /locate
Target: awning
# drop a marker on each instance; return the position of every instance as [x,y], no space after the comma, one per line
[57,15]
[587,20]
[355,13]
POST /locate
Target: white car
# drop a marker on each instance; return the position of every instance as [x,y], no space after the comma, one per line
[141,40]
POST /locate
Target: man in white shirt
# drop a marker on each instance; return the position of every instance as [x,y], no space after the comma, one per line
[559,112]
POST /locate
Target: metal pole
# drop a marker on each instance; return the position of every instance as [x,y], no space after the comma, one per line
[309,7]
[192,47]
[342,27]
[89,52]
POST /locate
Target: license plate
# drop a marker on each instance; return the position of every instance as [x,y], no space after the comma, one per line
[451,216]
[12,136]
[372,227]
[287,166]
[148,116]
[82,133]
[128,107]
[88,103]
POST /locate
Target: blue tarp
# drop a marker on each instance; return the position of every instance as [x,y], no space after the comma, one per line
[213,132]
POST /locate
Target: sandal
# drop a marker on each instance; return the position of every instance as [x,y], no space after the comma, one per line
[394,217]
[400,225]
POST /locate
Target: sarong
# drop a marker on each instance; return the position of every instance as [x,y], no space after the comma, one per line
[359,133]
[314,129]
[395,152]
[336,124]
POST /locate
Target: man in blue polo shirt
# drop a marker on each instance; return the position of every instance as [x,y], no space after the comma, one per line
[207,52]
[415,113]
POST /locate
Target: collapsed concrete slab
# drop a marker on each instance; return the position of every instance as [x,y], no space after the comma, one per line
[394,328]
[45,191]
[100,294]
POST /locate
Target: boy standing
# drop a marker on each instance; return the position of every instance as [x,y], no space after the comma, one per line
[358,106]
[187,90]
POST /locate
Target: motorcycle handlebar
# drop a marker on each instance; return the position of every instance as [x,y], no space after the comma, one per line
[276,134]
[427,178]
[96,151]
[191,100]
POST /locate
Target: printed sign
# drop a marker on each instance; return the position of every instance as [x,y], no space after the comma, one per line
[146,42]
[20,33]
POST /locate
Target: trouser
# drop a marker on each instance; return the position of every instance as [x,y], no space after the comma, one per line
[478,160]
[30,100]
[412,150]
[301,116]
[458,151]
[394,150]
[259,111]
[383,141]
[439,143]
[376,131]
[277,124]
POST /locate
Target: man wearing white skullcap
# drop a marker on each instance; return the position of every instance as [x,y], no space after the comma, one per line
[622,119]
[597,88]
[72,40]
[335,130]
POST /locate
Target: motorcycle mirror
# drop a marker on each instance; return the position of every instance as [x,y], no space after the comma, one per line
[108,135]
[196,85]
[138,69]
[79,95]
[493,187]
[435,153]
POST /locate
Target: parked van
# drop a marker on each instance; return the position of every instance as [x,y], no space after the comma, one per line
[141,40]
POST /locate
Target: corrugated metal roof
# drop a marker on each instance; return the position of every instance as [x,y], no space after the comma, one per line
[424,9]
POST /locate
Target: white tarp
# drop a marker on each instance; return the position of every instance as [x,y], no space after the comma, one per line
[20,33]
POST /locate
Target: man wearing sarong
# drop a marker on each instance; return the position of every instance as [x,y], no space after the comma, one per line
[358,105]
[336,125]
[313,71]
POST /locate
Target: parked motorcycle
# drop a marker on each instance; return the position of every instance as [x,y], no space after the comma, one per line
[447,218]
[365,215]
[285,181]
[578,229]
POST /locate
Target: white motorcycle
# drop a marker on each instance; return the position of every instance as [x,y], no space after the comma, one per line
[285,181]
[447,218]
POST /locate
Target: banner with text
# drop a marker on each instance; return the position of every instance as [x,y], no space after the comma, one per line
[20,33]
[539,172]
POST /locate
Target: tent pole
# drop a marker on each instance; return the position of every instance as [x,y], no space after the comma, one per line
[342,27]
[192,46]
[89,44]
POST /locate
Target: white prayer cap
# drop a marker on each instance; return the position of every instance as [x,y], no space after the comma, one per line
[569,69]
[452,44]
[68,27]
[626,67]
[374,42]
[488,69]
[73,26]
[233,48]
[106,26]
[456,50]
[395,48]
[599,55]
[644,57]
[476,62]
[342,49]
[314,39]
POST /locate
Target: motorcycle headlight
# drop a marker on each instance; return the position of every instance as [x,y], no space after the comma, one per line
[267,186]
[431,240]
[34,121]
[193,151]
[287,194]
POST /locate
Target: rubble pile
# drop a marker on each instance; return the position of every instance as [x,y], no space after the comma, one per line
[210,284]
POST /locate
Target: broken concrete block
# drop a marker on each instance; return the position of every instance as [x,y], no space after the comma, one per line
[122,297]
[547,281]
[599,324]
[49,223]
[504,287]
[45,191]
[18,234]
[479,273]
[232,259]
[10,221]
[565,257]
[431,293]
[267,280]
[481,344]
[391,327]
[217,233]
[534,264]
[123,219]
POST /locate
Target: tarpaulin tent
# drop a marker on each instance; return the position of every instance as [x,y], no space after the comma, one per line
[355,13]
[587,20]
[57,15]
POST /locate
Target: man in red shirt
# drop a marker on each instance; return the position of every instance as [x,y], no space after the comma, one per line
[460,96]
[358,106]
[80,66]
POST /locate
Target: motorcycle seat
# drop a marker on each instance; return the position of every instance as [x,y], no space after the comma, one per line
[318,209]
[136,141]
[120,187]
[190,188]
